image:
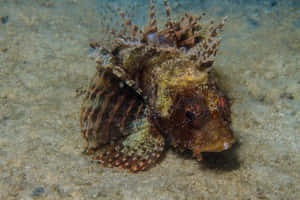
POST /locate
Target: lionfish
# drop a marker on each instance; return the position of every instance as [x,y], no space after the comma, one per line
[153,89]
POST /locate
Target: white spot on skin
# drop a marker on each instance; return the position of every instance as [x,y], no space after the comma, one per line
[226,145]
[151,37]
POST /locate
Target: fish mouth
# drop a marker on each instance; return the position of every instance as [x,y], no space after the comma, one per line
[218,146]
[214,136]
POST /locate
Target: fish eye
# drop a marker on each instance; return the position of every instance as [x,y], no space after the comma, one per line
[190,115]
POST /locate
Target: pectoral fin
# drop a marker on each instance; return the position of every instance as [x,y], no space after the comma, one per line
[138,151]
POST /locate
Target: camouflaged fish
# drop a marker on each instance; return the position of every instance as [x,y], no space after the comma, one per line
[152,89]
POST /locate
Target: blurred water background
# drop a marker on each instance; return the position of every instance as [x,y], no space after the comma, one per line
[44,60]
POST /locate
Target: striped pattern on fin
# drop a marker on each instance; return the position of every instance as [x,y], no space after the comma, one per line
[108,108]
[136,152]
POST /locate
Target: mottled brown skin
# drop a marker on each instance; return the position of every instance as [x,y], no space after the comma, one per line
[153,87]
[195,125]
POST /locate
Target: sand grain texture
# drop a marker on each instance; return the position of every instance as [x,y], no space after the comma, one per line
[43,60]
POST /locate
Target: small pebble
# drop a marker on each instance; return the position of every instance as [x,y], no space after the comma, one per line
[253,22]
[274,3]
[287,95]
[4,50]
[4,19]
[38,191]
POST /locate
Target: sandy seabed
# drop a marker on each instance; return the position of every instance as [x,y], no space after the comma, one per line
[43,60]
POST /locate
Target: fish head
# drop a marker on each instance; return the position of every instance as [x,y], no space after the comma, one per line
[201,122]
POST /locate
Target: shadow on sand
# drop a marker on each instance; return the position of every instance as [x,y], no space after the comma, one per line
[225,160]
